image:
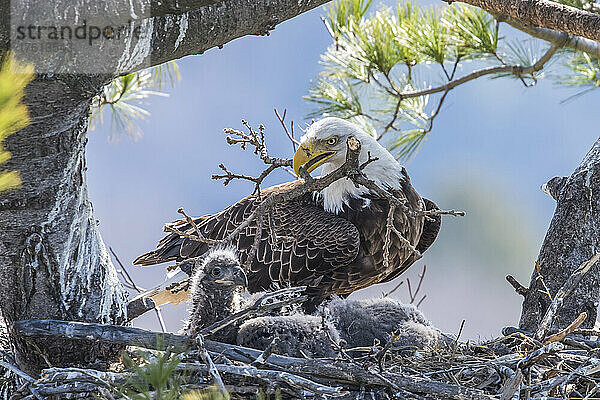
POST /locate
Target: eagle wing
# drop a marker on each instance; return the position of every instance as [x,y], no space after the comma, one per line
[300,243]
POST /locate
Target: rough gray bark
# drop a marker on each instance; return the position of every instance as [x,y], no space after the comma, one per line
[545,14]
[53,263]
[52,259]
[559,38]
[162,38]
[573,238]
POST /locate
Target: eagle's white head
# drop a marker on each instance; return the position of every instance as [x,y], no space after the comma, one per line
[325,144]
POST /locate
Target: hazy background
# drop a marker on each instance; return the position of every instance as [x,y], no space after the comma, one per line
[493,146]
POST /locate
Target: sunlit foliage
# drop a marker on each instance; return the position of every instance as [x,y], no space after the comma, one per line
[14,76]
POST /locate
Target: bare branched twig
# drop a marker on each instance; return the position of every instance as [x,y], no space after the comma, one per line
[386,294]
[290,133]
[255,139]
[413,296]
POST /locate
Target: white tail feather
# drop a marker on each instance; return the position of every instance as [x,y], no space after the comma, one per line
[175,290]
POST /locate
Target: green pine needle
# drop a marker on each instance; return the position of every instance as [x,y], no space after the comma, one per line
[156,373]
[344,13]
[125,99]
[14,76]
[336,98]
[407,143]
[473,31]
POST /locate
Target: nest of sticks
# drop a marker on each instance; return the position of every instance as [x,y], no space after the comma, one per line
[546,364]
[515,364]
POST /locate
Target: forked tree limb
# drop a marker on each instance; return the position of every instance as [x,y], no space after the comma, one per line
[577,43]
[545,14]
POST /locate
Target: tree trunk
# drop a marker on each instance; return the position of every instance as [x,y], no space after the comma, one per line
[573,237]
[53,262]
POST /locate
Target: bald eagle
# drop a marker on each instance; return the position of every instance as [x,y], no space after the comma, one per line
[332,241]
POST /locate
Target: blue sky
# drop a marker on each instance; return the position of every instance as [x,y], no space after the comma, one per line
[493,146]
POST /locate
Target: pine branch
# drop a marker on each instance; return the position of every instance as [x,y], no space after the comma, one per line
[517,70]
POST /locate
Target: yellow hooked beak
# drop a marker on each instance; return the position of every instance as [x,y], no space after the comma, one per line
[310,157]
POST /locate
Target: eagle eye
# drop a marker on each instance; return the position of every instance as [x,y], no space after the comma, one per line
[332,141]
[216,271]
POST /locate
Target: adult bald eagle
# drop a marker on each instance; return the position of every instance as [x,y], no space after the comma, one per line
[332,242]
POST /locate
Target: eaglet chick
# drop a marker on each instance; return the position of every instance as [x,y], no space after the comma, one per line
[215,292]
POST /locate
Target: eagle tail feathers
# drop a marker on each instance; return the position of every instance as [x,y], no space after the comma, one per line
[174,290]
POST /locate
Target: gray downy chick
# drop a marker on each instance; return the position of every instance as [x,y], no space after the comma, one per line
[297,335]
[361,322]
[215,291]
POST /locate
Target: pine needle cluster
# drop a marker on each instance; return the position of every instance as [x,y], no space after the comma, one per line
[124,99]
[383,61]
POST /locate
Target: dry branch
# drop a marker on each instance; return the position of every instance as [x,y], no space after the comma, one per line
[257,140]
[270,376]
[568,330]
[135,309]
[212,369]
[520,289]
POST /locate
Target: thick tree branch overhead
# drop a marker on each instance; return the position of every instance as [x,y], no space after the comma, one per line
[545,14]
[170,31]
[559,38]
[216,25]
